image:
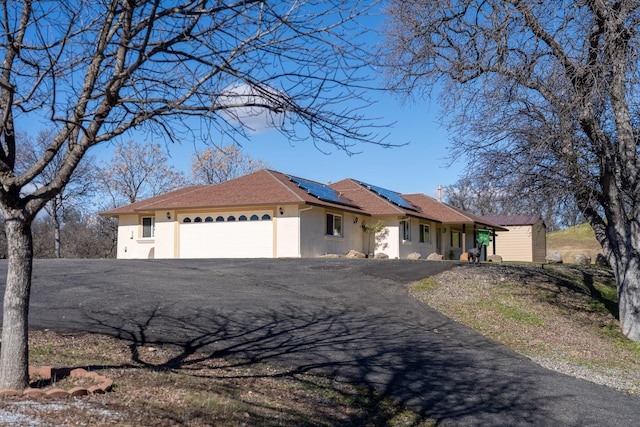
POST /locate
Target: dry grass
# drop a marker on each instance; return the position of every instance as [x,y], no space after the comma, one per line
[572,241]
[561,316]
[197,390]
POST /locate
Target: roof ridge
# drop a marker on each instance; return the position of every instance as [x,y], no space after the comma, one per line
[271,173]
[171,195]
[384,199]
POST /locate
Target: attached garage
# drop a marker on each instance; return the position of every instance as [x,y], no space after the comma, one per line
[226,235]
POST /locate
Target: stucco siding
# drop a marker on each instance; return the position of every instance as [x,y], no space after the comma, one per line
[391,236]
[287,233]
[314,240]
[165,235]
[131,244]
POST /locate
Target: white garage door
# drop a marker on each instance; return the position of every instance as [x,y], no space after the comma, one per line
[241,239]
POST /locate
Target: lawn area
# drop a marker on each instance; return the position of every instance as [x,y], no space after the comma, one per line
[561,316]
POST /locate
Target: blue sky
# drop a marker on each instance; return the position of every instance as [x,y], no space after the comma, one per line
[417,167]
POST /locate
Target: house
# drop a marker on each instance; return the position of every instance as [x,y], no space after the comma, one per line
[526,239]
[268,214]
[460,229]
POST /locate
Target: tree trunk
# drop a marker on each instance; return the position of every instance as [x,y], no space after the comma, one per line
[14,352]
[628,279]
[56,233]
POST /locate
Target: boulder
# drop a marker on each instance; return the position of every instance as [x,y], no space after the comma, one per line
[381,255]
[582,259]
[464,257]
[602,260]
[495,258]
[435,257]
[553,258]
[355,254]
[414,255]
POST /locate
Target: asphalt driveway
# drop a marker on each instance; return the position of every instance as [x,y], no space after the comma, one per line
[352,318]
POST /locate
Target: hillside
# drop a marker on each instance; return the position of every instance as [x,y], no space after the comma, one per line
[572,241]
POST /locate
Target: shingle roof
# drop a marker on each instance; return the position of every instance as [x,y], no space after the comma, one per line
[372,202]
[512,220]
[447,213]
[268,188]
[261,188]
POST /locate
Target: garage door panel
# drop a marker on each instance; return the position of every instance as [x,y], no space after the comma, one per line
[246,239]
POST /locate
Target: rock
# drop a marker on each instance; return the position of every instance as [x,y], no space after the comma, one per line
[464,256]
[495,258]
[381,255]
[582,259]
[355,254]
[553,258]
[330,256]
[414,255]
[602,260]
[435,257]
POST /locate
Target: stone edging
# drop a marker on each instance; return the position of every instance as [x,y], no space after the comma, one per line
[46,373]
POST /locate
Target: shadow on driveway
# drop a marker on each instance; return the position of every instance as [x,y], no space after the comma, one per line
[351,319]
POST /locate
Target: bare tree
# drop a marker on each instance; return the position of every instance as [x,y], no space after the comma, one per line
[137,172]
[215,165]
[94,70]
[484,195]
[77,190]
[546,90]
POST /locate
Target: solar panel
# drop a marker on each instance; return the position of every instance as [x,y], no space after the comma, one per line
[391,196]
[320,191]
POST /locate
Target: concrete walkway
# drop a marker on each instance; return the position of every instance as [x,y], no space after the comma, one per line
[351,318]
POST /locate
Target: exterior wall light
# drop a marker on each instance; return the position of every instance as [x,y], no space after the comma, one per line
[168,215]
[281,211]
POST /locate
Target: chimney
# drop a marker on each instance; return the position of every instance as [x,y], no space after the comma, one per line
[440,193]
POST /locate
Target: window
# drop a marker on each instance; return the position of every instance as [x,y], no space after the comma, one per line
[425,233]
[456,240]
[405,229]
[148,227]
[242,218]
[231,218]
[187,219]
[266,217]
[220,219]
[254,217]
[334,225]
[198,219]
[208,219]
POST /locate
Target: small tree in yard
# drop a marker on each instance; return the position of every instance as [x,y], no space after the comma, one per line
[543,93]
[378,232]
[95,70]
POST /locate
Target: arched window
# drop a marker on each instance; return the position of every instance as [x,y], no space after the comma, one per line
[208,219]
[187,219]
[254,217]
[220,219]
[242,218]
[266,217]
[198,219]
[231,218]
